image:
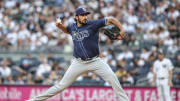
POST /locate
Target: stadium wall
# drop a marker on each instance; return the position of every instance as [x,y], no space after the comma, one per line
[82,93]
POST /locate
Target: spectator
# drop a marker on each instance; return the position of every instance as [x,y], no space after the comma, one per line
[120,72]
[124,81]
[23,36]
[43,69]
[130,79]
[57,68]
[150,76]
[29,80]
[26,64]
[9,80]
[178,61]
[5,71]
[20,80]
[126,54]
[145,54]
[177,79]
[53,78]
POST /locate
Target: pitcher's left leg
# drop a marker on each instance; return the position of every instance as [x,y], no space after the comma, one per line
[74,70]
[104,70]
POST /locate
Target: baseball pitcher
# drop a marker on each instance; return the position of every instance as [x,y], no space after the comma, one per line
[163,76]
[85,36]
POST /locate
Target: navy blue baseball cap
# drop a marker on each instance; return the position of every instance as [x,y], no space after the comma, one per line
[81,11]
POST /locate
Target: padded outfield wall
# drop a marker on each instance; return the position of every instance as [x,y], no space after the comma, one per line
[82,93]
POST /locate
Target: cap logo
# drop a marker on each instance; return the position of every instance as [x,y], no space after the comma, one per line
[84,9]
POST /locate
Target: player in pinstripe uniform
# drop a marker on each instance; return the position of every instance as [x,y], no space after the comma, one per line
[162,69]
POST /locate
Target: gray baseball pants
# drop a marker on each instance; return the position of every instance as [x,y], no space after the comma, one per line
[78,67]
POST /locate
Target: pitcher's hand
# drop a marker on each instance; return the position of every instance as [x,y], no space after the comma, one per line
[58,22]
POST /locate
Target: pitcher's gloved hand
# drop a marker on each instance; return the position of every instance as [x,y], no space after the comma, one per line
[114,33]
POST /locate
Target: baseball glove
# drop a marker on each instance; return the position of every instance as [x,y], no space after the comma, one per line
[113,33]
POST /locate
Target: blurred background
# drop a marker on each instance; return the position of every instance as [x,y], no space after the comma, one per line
[33,51]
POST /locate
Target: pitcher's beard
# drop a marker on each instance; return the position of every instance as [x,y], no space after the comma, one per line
[83,22]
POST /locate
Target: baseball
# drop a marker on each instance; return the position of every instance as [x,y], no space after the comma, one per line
[58,21]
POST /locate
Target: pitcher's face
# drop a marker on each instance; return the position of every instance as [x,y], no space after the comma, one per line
[82,19]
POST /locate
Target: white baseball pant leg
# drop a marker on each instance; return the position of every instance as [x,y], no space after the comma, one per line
[164,90]
[160,93]
[74,70]
[103,69]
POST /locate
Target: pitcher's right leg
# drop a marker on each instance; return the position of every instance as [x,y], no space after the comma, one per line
[70,76]
[108,75]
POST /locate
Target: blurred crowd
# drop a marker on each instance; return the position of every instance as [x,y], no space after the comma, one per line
[29,25]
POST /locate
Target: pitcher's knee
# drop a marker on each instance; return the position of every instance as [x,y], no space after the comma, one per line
[112,78]
[61,86]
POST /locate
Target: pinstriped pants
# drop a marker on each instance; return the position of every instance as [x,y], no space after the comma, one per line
[163,90]
[78,67]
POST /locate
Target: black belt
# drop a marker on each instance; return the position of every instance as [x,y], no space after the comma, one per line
[86,59]
[161,78]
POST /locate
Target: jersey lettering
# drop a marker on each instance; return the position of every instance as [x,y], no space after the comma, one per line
[79,36]
[164,65]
